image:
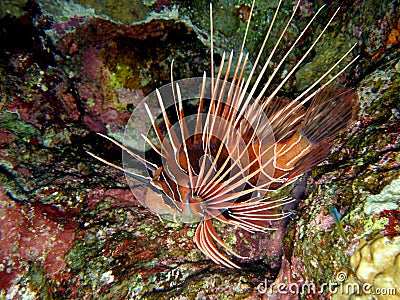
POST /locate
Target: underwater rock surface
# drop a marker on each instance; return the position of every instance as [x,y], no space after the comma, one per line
[70,228]
[374,267]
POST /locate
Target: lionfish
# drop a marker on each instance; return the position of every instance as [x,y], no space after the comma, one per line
[222,161]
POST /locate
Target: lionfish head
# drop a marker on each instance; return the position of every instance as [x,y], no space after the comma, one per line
[220,159]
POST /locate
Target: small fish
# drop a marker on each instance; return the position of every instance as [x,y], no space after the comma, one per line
[336,217]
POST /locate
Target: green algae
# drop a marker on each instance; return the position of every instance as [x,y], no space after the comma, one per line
[225,16]
[54,137]
[374,225]
[332,48]
[120,76]
[11,122]
[124,12]
[32,285]
[13,8]
[77,257]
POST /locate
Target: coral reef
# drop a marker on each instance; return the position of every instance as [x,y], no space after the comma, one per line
[70,228]
[387,199]
[363,166]
[374,269]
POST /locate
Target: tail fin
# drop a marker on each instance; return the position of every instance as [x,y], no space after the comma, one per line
[330,112]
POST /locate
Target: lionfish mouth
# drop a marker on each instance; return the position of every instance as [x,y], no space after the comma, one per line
[221,161]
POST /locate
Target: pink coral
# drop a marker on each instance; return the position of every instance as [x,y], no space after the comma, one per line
[32,231]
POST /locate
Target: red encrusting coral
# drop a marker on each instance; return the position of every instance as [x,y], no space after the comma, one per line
[33,231]
[392,228]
